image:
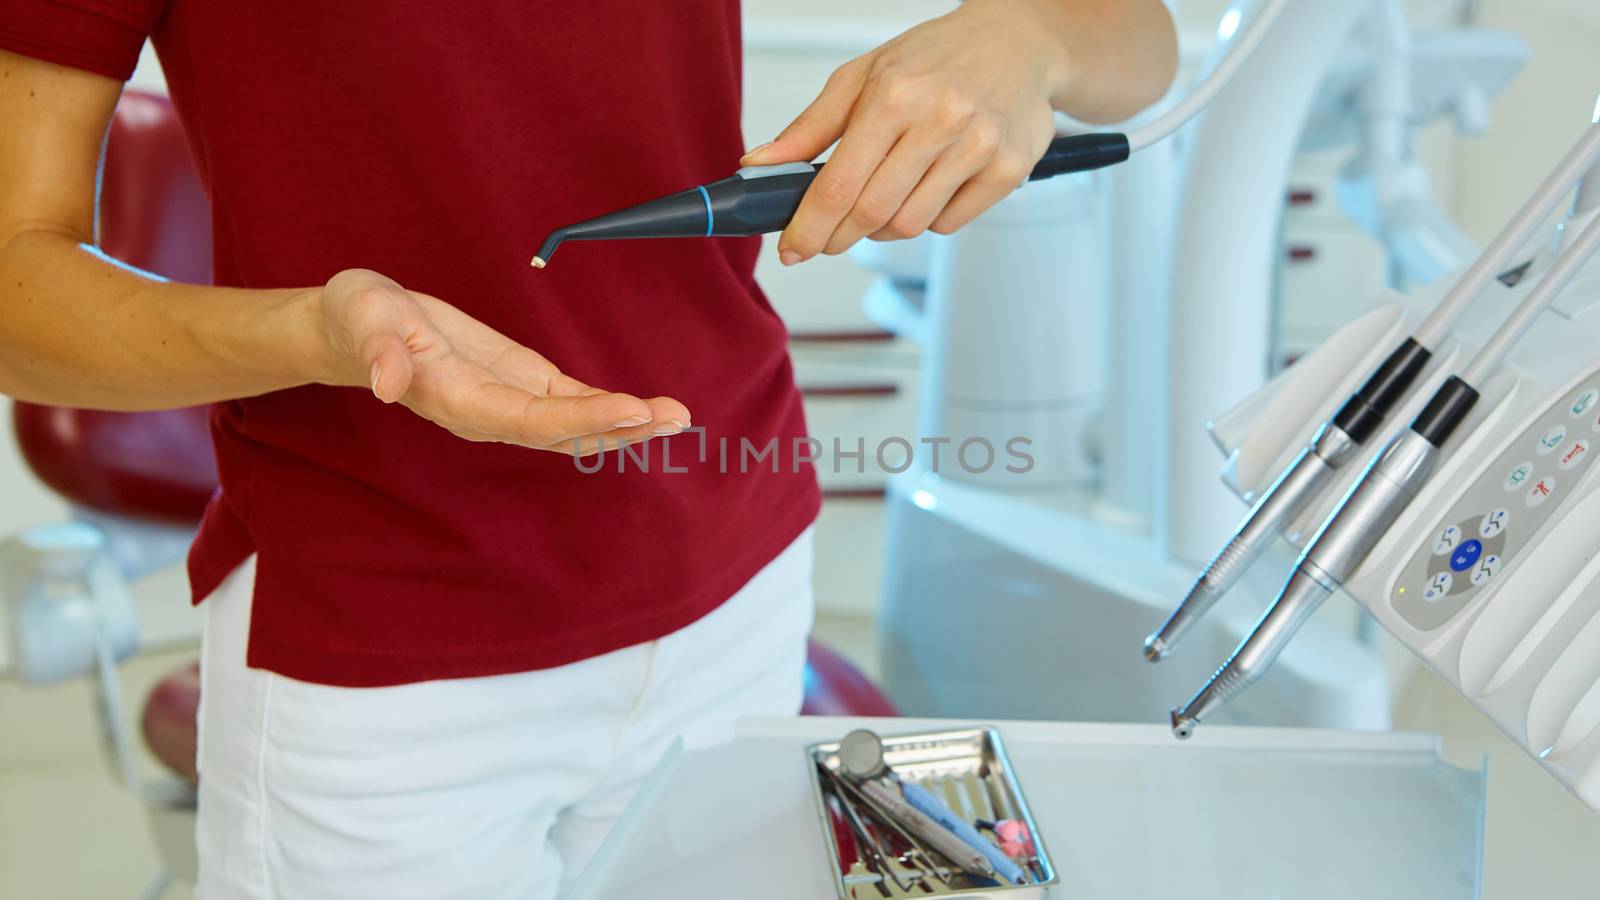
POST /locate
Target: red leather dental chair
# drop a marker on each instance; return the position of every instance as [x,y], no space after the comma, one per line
[157,467]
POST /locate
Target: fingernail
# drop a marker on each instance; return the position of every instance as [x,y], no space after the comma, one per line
[375,372]
[630,422]
[670,426]
[754,151]
[788,257]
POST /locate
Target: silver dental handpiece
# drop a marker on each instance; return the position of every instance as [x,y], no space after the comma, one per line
[1341,438]
[1377,499]
[1303,480]
[1328,561]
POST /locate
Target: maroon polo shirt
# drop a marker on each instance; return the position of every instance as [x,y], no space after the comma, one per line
[437,143]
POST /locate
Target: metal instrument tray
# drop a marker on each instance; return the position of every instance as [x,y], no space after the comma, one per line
[969,770]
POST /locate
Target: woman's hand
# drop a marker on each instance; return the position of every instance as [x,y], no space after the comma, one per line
[460,374]
[945,120]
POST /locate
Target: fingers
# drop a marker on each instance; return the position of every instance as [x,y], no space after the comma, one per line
[932,194]
[664,411]
[835,192]
[929,198]
[888,188]
[906,128]
[671,417]
[546,421]
[667,416]
[1008,169]
[520,367]
[979,193]
[556,422]
[819,124]
[564,385]
[663,426]
[964,182]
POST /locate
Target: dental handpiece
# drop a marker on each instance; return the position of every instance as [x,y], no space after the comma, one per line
[1340,439]
[861,761]
[762,199]
[1377,500]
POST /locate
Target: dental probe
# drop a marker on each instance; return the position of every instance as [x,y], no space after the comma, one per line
[762,199]
[1373,504]
[1340,438]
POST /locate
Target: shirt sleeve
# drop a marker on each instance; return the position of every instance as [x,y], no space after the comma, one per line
[100,36]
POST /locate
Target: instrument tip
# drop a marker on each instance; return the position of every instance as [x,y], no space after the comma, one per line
[1155,649]
[1182,725]
[537,263]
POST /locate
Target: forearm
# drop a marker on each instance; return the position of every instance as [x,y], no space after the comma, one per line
[1119,56]
[79,330]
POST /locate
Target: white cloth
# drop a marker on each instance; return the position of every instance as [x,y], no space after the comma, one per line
[482,788]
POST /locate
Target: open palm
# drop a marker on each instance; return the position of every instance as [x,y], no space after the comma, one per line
[464,376]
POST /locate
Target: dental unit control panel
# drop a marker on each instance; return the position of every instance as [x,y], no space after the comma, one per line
[1488,530]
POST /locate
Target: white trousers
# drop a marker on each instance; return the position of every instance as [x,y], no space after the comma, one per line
[482,788]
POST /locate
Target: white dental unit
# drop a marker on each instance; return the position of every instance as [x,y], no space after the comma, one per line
[1489,573]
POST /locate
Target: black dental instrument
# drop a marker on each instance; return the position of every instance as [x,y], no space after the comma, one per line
[762,199]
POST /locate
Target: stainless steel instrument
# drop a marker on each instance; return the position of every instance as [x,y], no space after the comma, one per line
[967,769]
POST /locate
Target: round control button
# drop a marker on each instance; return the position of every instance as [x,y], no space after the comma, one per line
[1584,402]
[1438,585]
[1466,555]
[1446,541]
[1485,570]
[1518,475]
[1540,492]
[1494,523]
[1551,440]
[1573,455]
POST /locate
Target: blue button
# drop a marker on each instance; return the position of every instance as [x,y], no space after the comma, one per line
[1466,555]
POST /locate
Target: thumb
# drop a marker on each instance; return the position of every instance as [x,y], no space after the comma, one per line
[388,359]
[818,125]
